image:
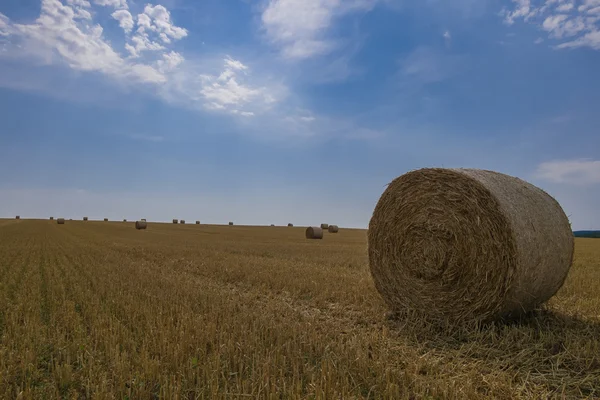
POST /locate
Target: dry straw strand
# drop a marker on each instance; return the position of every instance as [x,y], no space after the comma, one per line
[467,245]
[333,229]
[60,221]
[314,232]
[141,224]
[324,226]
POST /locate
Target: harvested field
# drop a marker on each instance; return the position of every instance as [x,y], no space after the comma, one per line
[99,310]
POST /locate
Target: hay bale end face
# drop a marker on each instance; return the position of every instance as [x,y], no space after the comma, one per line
[175,221]
[60,221]
[314,232]
[333,229]
[141,224]
[324,226]
[467,245]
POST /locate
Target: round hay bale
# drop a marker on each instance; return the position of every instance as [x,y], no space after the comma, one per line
[124,220]
[324,226]
[182,221]
[467,245]
[18,217]
[231,224]
[175,221]
[314,232]
[105,219]
[60,221]
[333,229]
[51,218]
[143,219]
[141,224]
[290,225]
[197,222]
[85,218]
[272,224]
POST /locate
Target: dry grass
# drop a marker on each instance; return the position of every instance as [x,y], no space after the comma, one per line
[95,310]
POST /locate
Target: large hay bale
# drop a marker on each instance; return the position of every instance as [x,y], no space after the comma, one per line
[333,229]
[324,226]
[175,221]
[18,217]
[60,221]
[51,218]
[197,222]
[141,224]
[182,221]
[105,219]
[231,224]
[124,220]
[314,232]
[467,245]
[85,218]
[290,225]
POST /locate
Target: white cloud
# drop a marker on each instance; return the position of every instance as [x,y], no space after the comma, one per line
[118,4]
[170,61]
[125,19]
[425,65]
[561,19]
[155,21]
[300,27]
[581,172]
[447,35]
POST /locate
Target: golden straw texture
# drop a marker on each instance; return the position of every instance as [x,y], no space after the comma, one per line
[464,245]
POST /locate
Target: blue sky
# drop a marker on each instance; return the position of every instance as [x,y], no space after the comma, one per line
[298,111]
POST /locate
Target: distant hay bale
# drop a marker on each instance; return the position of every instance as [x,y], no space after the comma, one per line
[290,225]
[272,224]
[175,221]
[197,222]
[85,218]
[231,223]
[51,218]
[60,221]
[18,217]
[333,229]
[124,220]
[182,221]
[105,219]
[314,232]
[324,226]
[467,245]
[143,219]
[141,224]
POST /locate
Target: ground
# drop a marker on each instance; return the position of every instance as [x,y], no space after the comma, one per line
[101,310]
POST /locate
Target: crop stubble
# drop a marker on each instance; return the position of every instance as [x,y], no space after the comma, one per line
[96,310]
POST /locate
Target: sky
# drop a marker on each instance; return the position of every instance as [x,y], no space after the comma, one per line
[277,111]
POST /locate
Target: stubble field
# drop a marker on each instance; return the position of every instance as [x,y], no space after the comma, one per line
[100,310]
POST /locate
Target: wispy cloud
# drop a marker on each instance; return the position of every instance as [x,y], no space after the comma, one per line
[579,172]
[571,25]
[300,28]
[428,65]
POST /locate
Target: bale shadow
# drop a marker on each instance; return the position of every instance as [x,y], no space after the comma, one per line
[542,347]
